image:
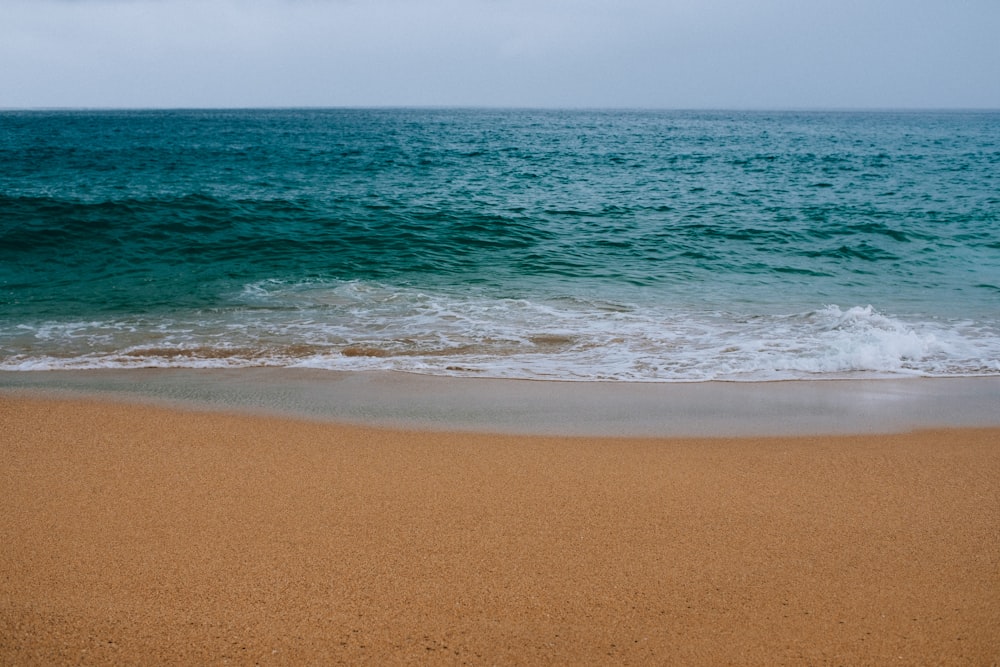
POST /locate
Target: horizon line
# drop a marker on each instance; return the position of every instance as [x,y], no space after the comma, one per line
[475,107]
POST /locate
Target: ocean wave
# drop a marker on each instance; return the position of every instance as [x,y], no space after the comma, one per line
[357,325]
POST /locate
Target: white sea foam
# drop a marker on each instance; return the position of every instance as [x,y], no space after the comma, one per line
[369,326]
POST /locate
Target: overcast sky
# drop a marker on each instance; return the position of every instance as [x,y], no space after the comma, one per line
[540,53]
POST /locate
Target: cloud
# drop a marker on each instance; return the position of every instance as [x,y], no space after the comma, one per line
[499,52]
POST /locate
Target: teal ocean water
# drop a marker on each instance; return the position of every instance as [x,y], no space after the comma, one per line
[572,245]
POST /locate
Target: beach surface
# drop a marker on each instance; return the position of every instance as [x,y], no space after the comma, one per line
[133,533]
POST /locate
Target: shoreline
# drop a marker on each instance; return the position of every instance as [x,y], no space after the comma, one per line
[142,534]
[532,407]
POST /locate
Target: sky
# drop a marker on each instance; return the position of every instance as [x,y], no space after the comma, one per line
[674,54]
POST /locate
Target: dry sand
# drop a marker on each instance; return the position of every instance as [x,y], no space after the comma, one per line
[140,535]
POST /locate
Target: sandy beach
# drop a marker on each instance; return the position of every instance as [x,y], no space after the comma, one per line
[137,534]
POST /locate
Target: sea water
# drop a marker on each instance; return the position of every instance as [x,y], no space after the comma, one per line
[657,246]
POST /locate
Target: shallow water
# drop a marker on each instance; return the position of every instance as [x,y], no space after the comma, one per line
[415,401]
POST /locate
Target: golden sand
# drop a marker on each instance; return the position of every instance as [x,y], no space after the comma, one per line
[141,535]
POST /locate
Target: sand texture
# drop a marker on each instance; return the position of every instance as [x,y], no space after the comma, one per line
[141,535]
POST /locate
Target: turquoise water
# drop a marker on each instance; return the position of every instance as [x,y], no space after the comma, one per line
[588,245]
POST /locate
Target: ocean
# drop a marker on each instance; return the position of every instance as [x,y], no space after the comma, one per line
[638,246]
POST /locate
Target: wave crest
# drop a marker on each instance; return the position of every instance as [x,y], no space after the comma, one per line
[359,325]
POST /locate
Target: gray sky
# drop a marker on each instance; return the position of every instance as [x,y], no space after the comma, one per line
[550,53]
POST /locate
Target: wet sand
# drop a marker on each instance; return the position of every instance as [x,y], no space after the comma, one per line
[527,407]
[136,534]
